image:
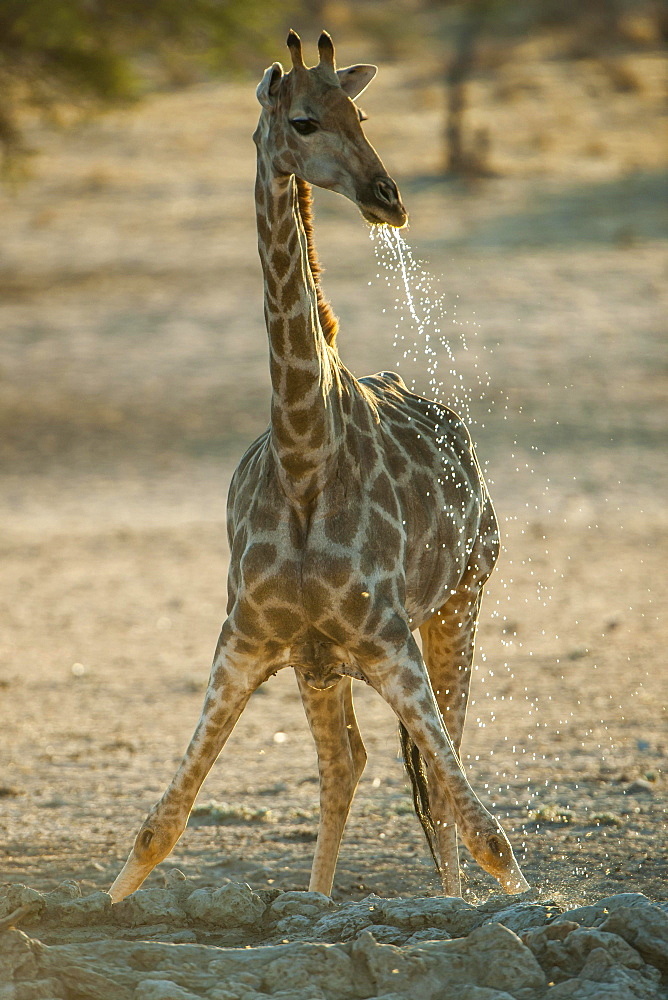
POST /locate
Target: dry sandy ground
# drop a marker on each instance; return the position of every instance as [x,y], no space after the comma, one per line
[133,374]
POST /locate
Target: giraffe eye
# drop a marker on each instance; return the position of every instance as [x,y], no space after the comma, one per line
[305,126]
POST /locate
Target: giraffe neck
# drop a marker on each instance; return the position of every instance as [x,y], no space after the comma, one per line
[304,367]
[328,321]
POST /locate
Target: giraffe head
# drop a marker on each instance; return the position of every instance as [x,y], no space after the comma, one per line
[311,128]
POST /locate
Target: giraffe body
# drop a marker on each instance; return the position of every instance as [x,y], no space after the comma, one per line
[380,547]
[357,518]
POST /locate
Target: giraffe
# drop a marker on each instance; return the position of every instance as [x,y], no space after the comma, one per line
[357,518]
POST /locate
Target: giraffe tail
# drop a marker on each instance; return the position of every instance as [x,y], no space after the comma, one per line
[415,769]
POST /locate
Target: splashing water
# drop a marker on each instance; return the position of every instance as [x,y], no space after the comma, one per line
[420,334]
[419,330]
[426,316]
[422,306]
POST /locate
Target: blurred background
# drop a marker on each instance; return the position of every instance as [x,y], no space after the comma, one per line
[528,138]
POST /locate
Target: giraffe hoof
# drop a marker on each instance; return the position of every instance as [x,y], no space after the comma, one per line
[129,879]
[494,853]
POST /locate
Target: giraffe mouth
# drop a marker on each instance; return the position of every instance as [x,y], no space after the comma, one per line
[397,218]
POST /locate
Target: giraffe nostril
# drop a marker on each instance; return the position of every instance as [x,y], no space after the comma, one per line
[386,190]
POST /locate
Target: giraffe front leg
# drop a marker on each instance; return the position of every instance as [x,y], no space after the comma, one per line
[233,679]
[341,760]
[404,684]
[447,645]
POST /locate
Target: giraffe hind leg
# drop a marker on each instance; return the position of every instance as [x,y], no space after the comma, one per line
[448,641]
[341,761]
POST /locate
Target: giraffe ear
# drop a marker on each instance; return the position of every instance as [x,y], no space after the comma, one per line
[268,86]
[355,79]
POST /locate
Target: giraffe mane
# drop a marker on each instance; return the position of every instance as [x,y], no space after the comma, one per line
[328,320]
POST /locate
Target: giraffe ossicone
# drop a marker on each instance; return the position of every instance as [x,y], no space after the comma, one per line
[359,516]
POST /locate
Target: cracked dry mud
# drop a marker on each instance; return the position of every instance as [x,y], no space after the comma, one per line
[133,373]
[230,943]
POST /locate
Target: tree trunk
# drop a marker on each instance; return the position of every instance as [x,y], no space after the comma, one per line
[461,160]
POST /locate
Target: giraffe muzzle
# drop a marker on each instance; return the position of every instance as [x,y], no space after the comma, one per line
[381,204]
[386,191]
